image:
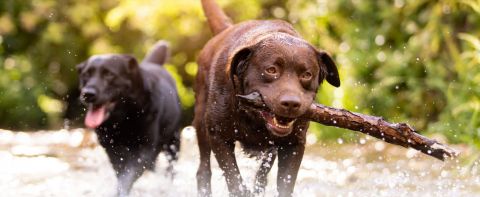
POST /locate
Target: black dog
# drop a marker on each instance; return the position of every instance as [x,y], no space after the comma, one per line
[134,110]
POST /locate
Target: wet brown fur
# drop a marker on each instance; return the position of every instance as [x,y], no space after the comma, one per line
[233,62]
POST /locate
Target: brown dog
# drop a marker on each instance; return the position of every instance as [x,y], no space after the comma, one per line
[264,56]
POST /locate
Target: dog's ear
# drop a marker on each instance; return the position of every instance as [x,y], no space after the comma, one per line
[131,62]
[133,70]
[239,63]
[332,73]
[80,66]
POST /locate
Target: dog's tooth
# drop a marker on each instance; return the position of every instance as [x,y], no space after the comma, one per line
[291,123]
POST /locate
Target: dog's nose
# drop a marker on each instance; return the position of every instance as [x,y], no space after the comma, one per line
[89,95]
[290,103]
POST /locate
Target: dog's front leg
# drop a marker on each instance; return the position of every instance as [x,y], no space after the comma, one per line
[128,175]
[224,153]
[289,159]
[266,165]
[130,167]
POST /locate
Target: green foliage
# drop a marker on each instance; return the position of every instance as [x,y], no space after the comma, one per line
[414,61]
[408,61]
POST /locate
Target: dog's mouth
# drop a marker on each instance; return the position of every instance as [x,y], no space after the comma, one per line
[278,125]
[97,114]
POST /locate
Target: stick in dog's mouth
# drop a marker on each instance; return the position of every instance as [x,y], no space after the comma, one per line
[278,125]
[253,100]
[398,134]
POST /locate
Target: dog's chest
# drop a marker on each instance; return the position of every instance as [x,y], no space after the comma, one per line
[253,136]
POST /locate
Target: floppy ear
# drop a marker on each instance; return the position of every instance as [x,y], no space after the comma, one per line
[239,63]
[332,73]
[80,66]
[131,62]
[133,70]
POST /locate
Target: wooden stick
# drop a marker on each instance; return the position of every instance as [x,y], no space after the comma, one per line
[395,133]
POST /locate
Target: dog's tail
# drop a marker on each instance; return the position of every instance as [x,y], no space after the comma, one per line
[217,19]
[159,53]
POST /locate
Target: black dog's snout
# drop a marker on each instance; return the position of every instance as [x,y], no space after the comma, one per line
[290,103]
[89,95]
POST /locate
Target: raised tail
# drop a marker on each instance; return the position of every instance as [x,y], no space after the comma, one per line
[217,19]
[158,54]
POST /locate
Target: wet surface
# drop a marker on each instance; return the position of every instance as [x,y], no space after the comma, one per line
[69,163]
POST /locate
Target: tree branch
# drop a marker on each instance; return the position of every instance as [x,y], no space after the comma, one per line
[395,133]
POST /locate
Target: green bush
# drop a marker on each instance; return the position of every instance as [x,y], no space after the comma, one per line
[413,61]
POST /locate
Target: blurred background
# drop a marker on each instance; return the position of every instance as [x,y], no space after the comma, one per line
[414,61]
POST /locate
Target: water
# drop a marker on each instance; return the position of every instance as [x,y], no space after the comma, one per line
[69,163]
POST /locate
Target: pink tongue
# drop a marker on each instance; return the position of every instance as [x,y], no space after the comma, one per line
[95,117]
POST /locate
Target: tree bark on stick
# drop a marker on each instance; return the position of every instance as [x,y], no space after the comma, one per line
[395,133]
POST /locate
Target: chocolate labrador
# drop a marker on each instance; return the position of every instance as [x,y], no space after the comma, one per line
[264,56]
[134,109]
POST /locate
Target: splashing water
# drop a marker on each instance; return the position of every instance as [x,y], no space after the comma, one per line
[70,163]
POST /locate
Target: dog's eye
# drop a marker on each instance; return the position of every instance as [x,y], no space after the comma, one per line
[271,70]
[84,77]
[107,74]
[306,76]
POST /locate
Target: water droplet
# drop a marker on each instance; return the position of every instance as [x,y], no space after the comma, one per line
[379,40]
[363,141]
[340,141]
